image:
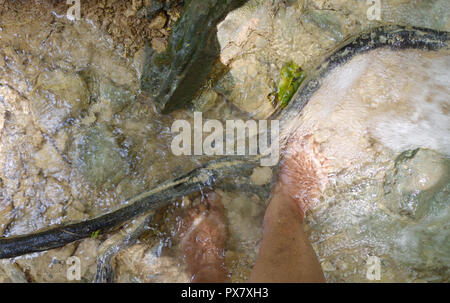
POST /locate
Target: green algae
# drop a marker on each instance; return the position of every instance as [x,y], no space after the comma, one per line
[292,77]
[95,234]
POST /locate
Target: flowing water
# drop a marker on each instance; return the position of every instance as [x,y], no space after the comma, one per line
[382,121]
[77,139]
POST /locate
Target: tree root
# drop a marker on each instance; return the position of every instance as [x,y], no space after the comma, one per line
[199,178]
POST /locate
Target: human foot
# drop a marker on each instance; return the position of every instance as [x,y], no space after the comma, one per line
[303,172]
[203,235]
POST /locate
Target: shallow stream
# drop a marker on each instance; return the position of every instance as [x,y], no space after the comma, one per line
[77,139]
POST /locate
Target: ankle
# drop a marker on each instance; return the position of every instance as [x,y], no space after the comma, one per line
[282,207]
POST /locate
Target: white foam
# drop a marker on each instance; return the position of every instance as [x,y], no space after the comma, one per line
[424,121]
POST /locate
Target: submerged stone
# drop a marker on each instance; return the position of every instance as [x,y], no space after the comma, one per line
[154,7]
[100,158]
[414,183]
[117,97]
[174,76]
[328,21]
[59,95]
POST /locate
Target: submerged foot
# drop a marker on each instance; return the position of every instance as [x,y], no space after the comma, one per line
[303,172]
[203,236]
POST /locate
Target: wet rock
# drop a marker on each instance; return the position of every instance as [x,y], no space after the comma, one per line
[329,21]
[173,77]
[139,61]
[99,157]
[419,175]
[206,101]
[327,266]
[276,32]
[48,267]
[6,215]
[248,85]
[116,97]
[11,273]
[87,251]
[136,4]
[429,14]
[138,263]
[50,161]
[153,8]
[159,45]
[158,22]
[129,13]
[59,95]
[2,114]
[2,61]
[55,192]
[75,215]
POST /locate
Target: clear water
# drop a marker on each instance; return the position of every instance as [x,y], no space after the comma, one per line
[385,134]
[78,139]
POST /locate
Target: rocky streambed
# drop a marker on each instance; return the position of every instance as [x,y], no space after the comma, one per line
[78,137]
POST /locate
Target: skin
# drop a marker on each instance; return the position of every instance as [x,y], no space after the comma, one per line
[285,255]
[203,241]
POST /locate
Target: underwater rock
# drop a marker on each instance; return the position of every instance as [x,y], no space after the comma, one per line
[87,251]
[59,95]
[158,22]
[424,246]
[248,85]
[50,162]
[153,8]
[145,264]
[264,35]
[48,267]
[327,20]
[55,193]
[2,114]
[10,273]
[206,101]
[430,14]
[418,176]
[159,45]
[244,214]
[117,97]
[99,157]
[172,78]
[6,214]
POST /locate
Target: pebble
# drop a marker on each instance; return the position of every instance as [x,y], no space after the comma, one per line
[327,266]
[159,44]
[261,175]
[158,22]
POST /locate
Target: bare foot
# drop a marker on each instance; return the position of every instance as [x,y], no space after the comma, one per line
[286,255]
[303,172]
[203,235]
